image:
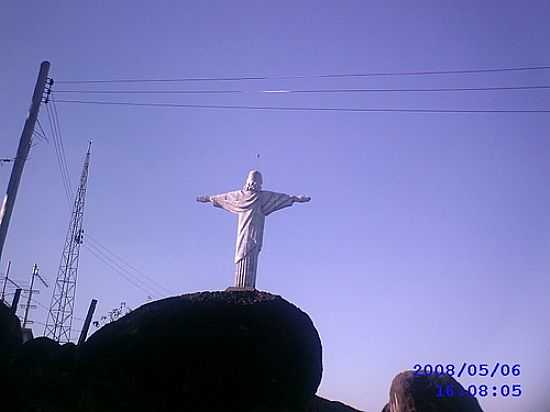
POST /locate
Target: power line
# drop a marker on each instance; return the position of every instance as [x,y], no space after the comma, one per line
[60,165]
[303,109]
[334,75]
[155,91]
[153,282]
[62,146]
[43,324]
[12,159]
[118,269]
[42,129]
[100,246]
[44,307]
[121,273]
[53,130]
[370,90]
[95,250]
[41,136]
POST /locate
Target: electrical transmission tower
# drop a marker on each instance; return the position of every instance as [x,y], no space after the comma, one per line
[60,316]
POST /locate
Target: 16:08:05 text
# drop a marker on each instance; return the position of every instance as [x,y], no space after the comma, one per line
[450,391]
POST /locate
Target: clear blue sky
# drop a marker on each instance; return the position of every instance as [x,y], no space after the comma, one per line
[428,235]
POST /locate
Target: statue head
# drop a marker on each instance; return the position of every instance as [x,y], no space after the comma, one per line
[253,181]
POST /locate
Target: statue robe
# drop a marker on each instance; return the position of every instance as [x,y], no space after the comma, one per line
[251,207]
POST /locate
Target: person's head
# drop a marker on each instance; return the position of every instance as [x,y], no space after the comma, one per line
[253,181]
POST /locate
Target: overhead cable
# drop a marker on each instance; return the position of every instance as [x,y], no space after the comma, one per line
[304,109]
[321,76]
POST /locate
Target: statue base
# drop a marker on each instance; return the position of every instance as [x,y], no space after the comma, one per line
[238,289]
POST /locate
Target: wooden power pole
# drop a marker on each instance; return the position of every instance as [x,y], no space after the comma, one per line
[22,152]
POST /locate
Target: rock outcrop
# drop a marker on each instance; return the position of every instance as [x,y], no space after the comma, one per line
[50,369]
[318,404]
[210,351]
[10,331]
[410,393]
[245,351]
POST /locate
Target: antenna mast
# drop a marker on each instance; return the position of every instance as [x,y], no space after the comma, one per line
[60,316]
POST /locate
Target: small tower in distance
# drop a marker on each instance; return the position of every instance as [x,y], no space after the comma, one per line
[60,316]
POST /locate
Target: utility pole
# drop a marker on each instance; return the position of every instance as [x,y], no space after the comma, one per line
[31,291]
[22,152]
[6,279]
[15,301]
[86,327]
[60,316]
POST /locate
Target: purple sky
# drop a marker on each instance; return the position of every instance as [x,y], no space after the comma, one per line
[427,239]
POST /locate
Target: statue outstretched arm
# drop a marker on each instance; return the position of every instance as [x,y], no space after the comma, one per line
[273,201]
[230,201]
[204,199]
[300,199]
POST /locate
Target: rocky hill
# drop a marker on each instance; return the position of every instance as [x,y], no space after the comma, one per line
[241,350]
[232,351]
[210,351]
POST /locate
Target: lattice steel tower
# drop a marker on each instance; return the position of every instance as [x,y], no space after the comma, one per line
[60,317]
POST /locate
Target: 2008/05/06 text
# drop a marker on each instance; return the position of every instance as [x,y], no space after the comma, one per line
[469,369]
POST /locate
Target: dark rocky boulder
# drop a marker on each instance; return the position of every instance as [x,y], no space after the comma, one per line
[210,351]
[49,368]
[10,341]
[230,351]
[10,331]
[318,404]
[410,393]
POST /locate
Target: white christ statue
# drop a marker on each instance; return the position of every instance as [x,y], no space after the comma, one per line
[252,205]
